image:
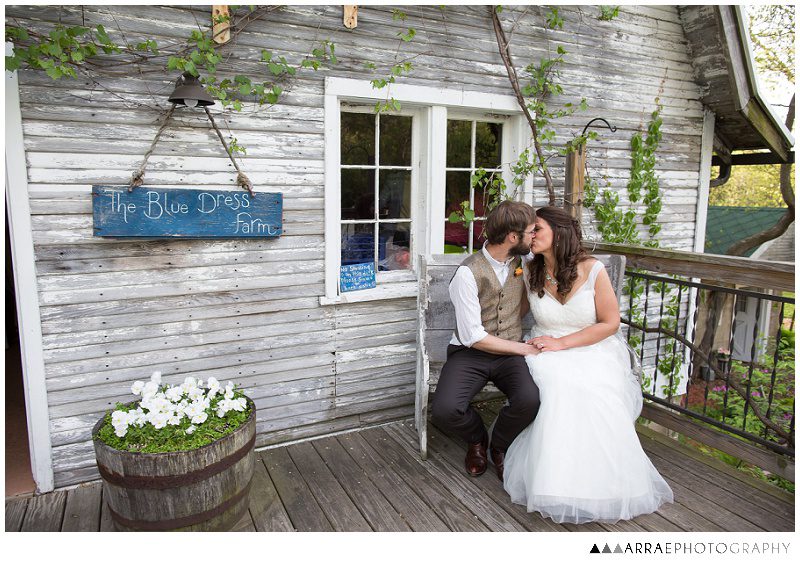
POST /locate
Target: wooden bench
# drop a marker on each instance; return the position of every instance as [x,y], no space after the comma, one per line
[436,321]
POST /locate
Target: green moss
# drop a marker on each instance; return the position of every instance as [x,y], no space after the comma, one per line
[148,439]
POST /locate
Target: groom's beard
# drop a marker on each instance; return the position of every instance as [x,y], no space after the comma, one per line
[520,249]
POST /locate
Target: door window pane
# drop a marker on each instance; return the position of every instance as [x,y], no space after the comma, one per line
[358,138]
[358,194]
[488,137]
[394,191]
[459,142]
[395,139]
[358,243]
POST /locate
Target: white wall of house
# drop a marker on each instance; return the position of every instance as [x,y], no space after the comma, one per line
[266,313]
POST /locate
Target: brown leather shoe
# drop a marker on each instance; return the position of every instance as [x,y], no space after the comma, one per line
[498,460]
[475,461]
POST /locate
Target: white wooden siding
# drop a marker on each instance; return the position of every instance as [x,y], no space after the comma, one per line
[113,311]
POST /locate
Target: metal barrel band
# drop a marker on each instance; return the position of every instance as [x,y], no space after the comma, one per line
[186,521]
[175,481]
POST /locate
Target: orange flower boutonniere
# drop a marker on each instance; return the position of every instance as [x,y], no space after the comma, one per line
[518,272]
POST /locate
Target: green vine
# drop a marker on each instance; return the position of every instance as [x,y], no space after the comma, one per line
[620,225]
[608,13]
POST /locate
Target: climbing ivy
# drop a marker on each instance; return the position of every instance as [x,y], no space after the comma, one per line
[618,224]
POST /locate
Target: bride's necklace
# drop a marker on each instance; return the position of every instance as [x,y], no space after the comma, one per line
[550,278]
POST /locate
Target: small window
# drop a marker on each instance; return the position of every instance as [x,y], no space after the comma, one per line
[471,145]
[376,206]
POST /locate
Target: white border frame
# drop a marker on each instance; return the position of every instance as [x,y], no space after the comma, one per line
[29,318]
[432,126]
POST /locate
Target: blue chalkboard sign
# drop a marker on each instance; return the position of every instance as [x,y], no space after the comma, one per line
[185,213]
[357,276]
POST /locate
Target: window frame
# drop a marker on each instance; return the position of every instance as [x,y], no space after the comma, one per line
[430,107]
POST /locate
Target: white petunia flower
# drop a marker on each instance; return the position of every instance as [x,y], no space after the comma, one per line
[159,420]
[229,391]
[191,429]
[137,387]
[200,418]
[156,377]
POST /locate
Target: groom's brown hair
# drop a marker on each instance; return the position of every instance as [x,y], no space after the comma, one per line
[508,216]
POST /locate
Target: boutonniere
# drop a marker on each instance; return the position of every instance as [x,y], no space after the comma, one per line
[518,272]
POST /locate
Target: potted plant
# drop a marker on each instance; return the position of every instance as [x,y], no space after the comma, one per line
[180,458]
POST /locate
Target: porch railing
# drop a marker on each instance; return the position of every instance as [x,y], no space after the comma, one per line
[715,339]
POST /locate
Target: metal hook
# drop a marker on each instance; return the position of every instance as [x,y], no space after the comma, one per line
[609,126]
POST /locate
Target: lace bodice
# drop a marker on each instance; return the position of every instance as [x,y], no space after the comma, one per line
[554,319]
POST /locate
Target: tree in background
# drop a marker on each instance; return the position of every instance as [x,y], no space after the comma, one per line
[772,34]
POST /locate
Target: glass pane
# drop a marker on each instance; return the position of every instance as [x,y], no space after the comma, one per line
[488,138]
[358,194]
[394,191]
[459,142]
[395,246]
[395,140]
[477,238]
[358,138]
[456,191]
[358,243]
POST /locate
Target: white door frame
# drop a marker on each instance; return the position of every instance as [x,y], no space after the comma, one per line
[30,327]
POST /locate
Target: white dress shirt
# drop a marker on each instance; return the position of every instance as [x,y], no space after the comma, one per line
[464,296]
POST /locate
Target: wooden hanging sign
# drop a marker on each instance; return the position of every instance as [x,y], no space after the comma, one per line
[185,213]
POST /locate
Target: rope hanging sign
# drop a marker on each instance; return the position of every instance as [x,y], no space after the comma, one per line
[138,176]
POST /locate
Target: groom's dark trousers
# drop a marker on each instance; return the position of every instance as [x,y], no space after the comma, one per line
[465,373]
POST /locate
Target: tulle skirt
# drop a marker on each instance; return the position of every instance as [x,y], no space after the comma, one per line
[581,460]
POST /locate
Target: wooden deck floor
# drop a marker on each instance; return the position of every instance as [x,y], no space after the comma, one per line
[373,480]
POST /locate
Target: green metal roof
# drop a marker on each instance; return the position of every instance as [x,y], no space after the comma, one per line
[727,225]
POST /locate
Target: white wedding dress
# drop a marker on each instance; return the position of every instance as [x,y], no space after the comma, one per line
[581,460]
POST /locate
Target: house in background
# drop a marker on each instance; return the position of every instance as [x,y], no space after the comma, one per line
[96,314]
[746,320]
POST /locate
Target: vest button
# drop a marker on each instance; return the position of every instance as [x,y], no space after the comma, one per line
[499,322]
[499,308]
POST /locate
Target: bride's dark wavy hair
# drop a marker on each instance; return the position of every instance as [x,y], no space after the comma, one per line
[567,248]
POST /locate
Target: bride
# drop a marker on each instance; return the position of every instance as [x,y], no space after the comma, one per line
[580,460]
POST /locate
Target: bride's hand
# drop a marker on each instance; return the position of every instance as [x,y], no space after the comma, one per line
[546,343]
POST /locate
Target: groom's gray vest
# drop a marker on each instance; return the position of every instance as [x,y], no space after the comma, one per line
[500,306]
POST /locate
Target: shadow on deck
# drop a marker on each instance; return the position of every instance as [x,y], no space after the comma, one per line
[373,480]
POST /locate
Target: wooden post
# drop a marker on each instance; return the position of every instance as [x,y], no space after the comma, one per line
[574,181]
[350,16]
[221,31]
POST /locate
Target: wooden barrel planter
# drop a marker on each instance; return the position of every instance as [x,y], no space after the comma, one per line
[204,489]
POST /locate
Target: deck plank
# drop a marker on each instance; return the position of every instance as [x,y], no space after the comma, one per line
[763,509]
[376,509]
[695,455]
[340,510]
[245,523]
[458,460]
[15,513]
[298,501]
[266,508]
[486,509]
[45,512]
[449,450]
[106,523]
[454,513]
[82,513]
[689,491]
[685,519]
[410,506]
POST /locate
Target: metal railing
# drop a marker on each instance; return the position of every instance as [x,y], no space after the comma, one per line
[718,348]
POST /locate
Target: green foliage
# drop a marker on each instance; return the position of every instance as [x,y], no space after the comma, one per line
[397,70]
[493,190]
[235,147]
[148,439]
[554,20]
[608,13]
[749,186]
[62,51]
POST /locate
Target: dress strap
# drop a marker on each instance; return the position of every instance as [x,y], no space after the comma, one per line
[595,269]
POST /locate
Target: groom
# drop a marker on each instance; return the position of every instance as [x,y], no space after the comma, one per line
[488,293]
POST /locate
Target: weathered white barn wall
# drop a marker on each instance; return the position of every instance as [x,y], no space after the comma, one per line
[114,311]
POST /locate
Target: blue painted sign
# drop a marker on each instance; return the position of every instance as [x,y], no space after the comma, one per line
[357,276]
[185,213]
